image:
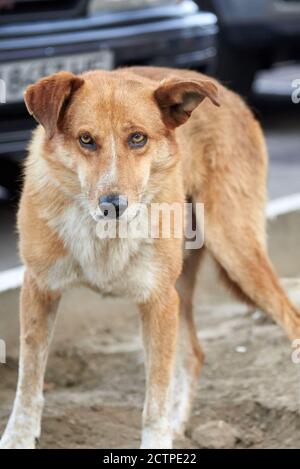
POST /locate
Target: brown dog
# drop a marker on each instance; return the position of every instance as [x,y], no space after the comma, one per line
[116,138]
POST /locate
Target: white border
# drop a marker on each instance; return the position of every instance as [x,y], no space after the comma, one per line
[289,203]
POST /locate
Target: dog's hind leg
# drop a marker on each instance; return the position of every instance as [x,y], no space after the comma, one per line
[190,356]
[239,248]
[38,312]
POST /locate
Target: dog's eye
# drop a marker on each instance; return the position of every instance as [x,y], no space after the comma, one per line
[137,140]
[86,141]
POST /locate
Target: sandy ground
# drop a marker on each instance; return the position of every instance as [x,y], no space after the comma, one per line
[94,389]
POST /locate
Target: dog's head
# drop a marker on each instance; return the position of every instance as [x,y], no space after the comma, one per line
[109,134]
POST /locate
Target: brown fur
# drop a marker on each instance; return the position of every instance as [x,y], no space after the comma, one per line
[217,157]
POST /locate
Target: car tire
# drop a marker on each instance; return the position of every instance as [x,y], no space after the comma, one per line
[235,68]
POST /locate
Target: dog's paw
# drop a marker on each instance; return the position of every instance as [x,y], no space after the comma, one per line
[15,441]
[166,444]
[179,421]
[156,440]
[179,432]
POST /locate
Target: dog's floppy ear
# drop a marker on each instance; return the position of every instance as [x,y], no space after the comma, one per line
[45,99]
[178,98]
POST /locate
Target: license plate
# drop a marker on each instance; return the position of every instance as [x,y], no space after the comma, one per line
[18,75]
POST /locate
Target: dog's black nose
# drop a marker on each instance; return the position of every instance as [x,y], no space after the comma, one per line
[113,205]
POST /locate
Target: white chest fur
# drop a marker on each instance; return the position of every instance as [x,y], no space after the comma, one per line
[118,267]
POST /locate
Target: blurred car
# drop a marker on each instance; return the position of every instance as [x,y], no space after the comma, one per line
[38,38]
[253,36]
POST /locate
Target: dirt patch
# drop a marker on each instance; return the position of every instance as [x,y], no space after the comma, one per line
[94,389]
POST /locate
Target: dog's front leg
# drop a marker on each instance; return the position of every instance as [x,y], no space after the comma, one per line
[160,323]
[37,315]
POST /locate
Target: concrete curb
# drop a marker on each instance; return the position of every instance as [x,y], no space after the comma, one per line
[11,278]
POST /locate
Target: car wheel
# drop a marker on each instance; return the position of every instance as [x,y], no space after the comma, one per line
[235,68]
